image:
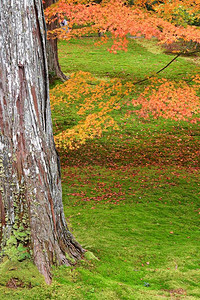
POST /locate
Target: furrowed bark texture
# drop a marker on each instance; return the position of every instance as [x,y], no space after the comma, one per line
[30,184]
[52,50]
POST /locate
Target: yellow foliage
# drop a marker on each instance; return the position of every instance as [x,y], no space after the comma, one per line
[94,101]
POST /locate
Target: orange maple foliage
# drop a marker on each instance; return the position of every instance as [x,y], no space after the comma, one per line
[118,19]
[170,100]
[95,100]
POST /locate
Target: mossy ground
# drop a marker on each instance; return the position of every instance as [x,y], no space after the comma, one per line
[131,198]
[143,58]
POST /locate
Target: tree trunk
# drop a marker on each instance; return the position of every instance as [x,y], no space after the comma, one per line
[52,50]
[31,210]
[52,59]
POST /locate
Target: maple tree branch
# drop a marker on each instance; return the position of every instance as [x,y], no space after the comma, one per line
[181,53]
[169,63]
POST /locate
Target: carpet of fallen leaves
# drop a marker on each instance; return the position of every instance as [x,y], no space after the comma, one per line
[110,185]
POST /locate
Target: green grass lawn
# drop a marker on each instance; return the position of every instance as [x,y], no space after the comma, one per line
[131,198]
[82,54]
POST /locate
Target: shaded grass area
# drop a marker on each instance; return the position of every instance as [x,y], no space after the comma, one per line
[131,198]
[141,146]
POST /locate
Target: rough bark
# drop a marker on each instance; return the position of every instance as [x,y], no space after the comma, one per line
[52,50]
[30,184]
